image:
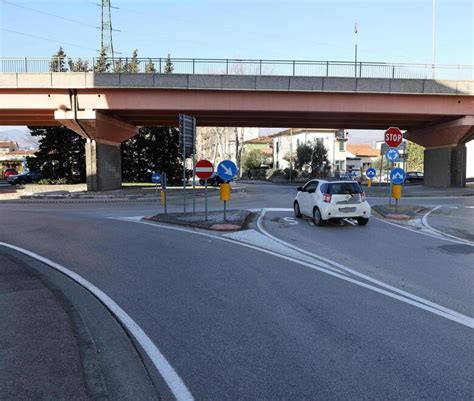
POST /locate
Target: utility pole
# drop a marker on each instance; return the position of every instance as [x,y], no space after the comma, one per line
[434,36]
[106,41]
[355,50]
[291,153]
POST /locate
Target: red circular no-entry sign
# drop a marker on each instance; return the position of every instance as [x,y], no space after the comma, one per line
[393,137]
[204,169]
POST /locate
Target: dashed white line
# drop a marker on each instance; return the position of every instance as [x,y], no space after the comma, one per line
[172,379]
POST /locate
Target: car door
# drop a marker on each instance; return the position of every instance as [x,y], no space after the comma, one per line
[307,198]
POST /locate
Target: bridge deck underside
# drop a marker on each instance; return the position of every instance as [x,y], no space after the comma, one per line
[241,119]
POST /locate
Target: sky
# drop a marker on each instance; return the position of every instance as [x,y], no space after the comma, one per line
[388,30]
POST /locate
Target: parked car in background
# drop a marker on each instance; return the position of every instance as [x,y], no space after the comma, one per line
[214,180]
[24,178]
[415,177]
[8,172]
[325,200]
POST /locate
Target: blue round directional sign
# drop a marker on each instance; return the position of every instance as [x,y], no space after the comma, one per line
[371,172]
[397,176]
[392,154]
[156,178]
[226,170]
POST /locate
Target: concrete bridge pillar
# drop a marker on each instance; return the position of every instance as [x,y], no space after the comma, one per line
[445,154]
[104,135]
[445,166]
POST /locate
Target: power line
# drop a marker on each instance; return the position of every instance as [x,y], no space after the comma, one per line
[51,15]
[46,39]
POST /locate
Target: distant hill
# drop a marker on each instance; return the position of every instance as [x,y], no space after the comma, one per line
[20,135]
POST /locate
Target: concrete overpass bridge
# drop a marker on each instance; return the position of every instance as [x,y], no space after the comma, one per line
[107,108]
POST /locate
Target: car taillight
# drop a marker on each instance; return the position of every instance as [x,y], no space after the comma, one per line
[362,196]
[327,198]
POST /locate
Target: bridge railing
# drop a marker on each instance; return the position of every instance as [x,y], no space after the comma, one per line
[305,68]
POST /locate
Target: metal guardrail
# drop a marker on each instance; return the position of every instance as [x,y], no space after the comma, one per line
[303,68]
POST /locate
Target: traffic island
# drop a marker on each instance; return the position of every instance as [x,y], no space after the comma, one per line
[235,219]
[402,212]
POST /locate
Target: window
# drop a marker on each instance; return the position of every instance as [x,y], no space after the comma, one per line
[342,146]
[342,188]
[311,186]
[277,148]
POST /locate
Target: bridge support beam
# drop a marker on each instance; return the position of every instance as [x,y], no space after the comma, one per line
[445,153]
[104,135]
[103,166]
[445,166]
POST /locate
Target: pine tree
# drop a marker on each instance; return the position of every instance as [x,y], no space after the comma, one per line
[169,67]
[102,65]
[57,63]
[119,66]
[319,157]
[133,66]
[150,67]
[61,154]
[79,65]
[153,149]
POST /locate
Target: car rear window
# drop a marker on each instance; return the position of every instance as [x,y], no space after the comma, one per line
[344,188]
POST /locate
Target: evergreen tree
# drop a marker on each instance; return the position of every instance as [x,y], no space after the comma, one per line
[58,63]
[303,156]
[169,67]
[79,65]
[102,65]
[319,156]
[133,66]
[153,149]
[416,154]
[150,67]
[119,66]
[61,154]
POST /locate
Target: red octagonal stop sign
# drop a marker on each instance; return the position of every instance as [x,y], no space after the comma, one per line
[204,169]
[393,137]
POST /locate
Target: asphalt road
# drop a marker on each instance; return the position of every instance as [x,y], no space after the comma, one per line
[240,324]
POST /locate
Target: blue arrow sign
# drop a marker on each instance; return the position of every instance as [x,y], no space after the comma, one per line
[227,170]
[156,178]
[371,172]
[397,176]
[392,154]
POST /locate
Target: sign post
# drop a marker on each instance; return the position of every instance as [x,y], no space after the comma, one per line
[164,182]
[370,173]
[227,171]
[204,170]
[156,179]
[397,177]
[187,140]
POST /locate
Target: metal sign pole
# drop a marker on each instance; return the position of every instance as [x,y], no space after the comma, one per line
[163,185]
[194,165]
[184,165]
[390,186]
[205,196]
[225,211]
[381,173]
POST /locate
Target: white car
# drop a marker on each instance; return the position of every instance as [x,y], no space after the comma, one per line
[323,200]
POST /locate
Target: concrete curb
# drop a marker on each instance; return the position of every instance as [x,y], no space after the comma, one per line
[405,212]
[237,221]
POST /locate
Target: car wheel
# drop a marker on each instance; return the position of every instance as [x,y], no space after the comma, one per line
[296,208]
[317,218]
[362,221]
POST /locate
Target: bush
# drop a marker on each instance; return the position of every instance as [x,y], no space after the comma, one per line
[52,181]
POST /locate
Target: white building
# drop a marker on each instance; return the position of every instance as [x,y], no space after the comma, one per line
[286,142]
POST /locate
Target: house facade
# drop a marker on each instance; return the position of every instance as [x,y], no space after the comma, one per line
[286,142]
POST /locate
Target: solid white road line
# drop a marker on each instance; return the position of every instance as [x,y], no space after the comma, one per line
[174,382]
[424,221]
[358,274]
[403,297]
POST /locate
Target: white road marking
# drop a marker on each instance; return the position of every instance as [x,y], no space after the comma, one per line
[174,382]
[424,221]
[350,222]
[361,275]
[290,220]
[397,294]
